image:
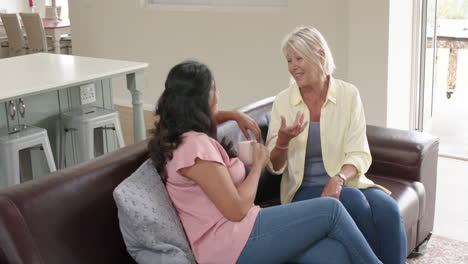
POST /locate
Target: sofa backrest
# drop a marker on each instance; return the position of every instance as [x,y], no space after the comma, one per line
[397,153]
[402,153]
[69,216]
[259,111]
[268,187]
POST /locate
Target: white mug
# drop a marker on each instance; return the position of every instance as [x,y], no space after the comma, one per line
[245,152]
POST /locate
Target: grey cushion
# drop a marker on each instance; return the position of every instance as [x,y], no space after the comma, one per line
[148,221]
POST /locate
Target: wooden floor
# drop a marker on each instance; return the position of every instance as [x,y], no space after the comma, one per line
[126,120]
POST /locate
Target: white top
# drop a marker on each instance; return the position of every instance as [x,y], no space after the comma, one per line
[37,73]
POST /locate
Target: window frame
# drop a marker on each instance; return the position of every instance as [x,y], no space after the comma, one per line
[216,4]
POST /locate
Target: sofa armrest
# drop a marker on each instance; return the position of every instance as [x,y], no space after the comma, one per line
[69,216]
[411,156]
[403,154]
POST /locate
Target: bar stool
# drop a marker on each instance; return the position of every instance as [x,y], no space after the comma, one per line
[84,121]
[11,142]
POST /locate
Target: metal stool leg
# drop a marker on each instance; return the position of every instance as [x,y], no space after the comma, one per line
[86,139]
[9,163]
[48,153]
[118,131]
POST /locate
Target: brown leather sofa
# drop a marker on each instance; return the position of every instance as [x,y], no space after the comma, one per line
[70,216]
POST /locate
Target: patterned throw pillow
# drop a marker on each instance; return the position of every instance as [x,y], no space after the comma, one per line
[148,221]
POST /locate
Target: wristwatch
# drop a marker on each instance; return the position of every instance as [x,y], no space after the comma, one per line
[342,177]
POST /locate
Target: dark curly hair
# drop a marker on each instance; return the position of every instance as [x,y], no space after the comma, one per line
[183,107]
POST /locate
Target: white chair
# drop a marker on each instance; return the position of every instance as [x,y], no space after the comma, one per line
[66,44]
[4,47]
[11,142]
[84,121]
[35,32]
[16,45]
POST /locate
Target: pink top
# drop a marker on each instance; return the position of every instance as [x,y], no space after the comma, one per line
[213,238]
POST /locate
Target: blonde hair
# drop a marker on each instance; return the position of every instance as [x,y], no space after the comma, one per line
[308,42]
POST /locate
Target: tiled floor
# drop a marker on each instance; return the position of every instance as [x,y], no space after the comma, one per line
[451,218]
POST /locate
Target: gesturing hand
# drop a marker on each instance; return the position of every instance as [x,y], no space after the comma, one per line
[286,133]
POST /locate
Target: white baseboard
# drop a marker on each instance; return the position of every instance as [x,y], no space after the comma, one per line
[126,103]
[450,156]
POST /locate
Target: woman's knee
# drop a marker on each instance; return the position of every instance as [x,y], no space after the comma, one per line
[334,205]
[383,205]
[327,205]
[330,201]
[354,200]
[327,250]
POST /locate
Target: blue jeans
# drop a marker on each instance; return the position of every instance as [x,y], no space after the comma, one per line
[376,214]
[312,231]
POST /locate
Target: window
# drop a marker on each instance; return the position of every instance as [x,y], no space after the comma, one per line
[220,3]
[64,5]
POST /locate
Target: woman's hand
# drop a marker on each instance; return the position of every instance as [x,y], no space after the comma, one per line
[261,156]
[246,123]
[286,133]
[333,187]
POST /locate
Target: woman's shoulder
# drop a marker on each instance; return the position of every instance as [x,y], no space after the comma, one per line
[284,96]
[194,145]
[194,137]
[344,84]
[346,88]
[197,143]
[194,134]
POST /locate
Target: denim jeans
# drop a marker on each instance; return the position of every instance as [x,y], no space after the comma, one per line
[311,231]
[376,214]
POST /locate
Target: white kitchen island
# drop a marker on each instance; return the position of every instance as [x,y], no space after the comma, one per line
[46,85]
[25,76]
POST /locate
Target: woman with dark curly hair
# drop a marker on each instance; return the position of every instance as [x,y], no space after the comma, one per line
[214,198]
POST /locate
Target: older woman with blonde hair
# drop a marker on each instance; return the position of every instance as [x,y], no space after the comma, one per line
[317,141]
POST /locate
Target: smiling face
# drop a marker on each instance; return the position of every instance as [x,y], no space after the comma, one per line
[304,72]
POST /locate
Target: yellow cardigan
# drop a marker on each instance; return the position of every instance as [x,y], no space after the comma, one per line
[342,132]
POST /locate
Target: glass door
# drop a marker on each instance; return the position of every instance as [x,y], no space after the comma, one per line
[427,65]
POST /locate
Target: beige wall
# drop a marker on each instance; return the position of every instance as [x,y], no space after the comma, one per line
[241,47]
[368,55]
[400,69]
